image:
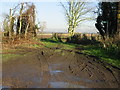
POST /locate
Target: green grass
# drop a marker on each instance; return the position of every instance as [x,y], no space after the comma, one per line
[107,55]
[53,43]
[10,56]
[6,57]
[20,51]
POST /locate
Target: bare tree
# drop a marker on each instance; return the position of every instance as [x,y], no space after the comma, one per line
[26,20]
[75,11]
[24,15]
[12,20]
[8,23]
[5,25]
[42,26]
[20,21]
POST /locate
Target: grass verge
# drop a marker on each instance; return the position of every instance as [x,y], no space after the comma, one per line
[108,55]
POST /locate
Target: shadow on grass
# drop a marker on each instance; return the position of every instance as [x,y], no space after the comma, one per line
[50,40]
[83,40]
[74,40]
[58,42]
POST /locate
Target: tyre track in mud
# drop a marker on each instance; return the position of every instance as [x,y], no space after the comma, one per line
[44,70]
[96,71]
[60,74]
[58,68]
[89,68]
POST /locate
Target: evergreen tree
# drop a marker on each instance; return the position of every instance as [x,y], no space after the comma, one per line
[107,19]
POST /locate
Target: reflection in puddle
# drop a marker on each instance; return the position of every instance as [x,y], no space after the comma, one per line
[4,87]
[65,85]
[55,72]
[53,69]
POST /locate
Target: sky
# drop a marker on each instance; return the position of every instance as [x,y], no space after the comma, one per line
[53,14]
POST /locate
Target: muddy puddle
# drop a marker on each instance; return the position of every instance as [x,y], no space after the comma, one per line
[65,85]
[2,87]
[51,70]
[55,71]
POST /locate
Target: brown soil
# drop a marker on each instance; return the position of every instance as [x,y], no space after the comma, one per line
[51,68]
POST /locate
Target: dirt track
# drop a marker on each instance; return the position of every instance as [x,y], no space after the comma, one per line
[54,68]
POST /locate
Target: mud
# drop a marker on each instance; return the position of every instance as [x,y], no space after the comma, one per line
[55,68]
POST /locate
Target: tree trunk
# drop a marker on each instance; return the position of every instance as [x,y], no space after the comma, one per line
[71,31]
[10,17]
[34,21]
[20,19]
[26,30]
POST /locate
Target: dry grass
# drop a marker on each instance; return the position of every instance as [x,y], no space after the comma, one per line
[15,42]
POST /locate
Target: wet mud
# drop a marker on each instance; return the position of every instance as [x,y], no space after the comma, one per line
[54,68]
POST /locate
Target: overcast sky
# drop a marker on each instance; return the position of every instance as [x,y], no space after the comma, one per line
[53,14]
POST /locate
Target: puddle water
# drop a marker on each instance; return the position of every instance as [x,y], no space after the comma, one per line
[4,87]
[55,72]
[65,85]
[53,69]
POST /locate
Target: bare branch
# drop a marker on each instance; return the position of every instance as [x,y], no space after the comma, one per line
[74,12]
